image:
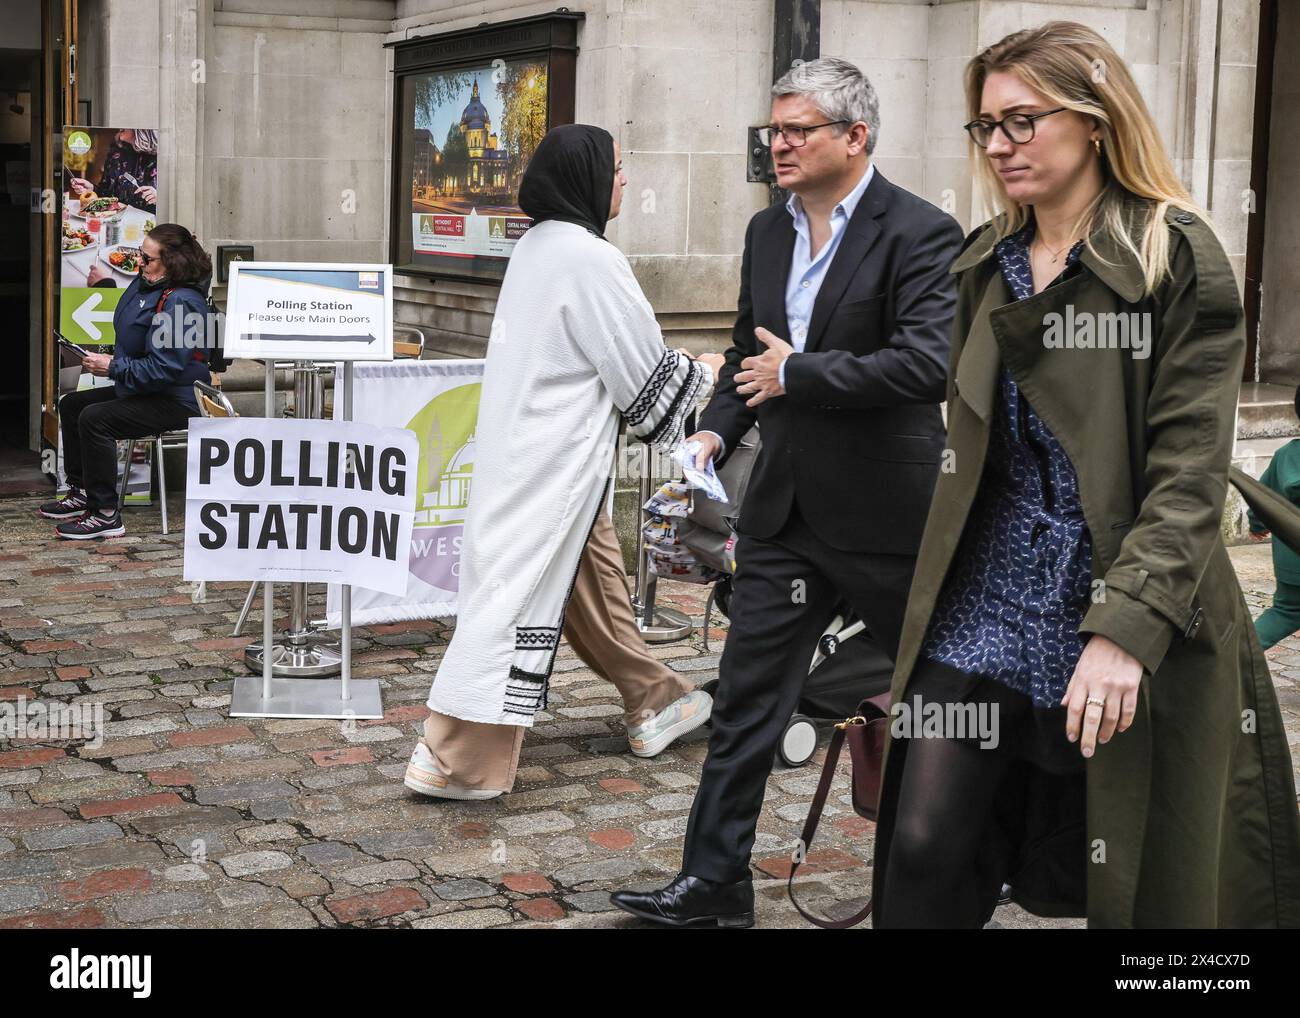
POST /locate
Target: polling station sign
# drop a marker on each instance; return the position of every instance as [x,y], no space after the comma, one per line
[310,311]
[300,500]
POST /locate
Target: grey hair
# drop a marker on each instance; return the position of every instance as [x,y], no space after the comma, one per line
[146,142]
[839,90]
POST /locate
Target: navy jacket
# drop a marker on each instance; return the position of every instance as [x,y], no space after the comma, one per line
[152,356]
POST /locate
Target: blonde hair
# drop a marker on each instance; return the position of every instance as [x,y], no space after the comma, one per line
[1073,66]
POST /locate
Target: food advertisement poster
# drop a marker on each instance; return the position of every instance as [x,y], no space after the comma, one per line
[475,130]
[109,202]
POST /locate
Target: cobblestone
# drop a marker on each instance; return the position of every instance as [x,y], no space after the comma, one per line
[463,890]
[247,863]
[380,873]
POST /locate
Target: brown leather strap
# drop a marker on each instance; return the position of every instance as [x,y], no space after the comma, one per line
[810,829]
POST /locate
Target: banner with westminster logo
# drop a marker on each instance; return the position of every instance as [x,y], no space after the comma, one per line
[438,401]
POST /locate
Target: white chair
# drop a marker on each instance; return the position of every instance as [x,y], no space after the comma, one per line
[411,345]
[212,401]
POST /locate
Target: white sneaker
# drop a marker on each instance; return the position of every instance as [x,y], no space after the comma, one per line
[423,776]
[683,715]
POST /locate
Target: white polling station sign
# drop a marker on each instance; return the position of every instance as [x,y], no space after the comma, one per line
[310,311]
[312,501]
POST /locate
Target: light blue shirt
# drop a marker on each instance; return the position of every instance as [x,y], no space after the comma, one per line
[807,272]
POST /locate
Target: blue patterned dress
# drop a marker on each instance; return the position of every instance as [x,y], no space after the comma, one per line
[1019,586]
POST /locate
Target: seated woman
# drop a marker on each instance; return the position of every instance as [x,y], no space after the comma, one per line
[154,368]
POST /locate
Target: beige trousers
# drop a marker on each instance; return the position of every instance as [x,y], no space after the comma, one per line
[598,624]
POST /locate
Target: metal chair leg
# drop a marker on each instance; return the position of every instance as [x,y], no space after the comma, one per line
[126,473]
[248,606]
[162,482]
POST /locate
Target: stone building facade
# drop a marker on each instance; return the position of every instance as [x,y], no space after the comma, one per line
[277,130]
[285,143]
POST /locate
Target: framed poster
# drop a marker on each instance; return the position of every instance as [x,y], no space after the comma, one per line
[314,311]
[470,110]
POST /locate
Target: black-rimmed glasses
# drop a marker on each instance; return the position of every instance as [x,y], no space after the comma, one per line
[1018,127]
[795,137]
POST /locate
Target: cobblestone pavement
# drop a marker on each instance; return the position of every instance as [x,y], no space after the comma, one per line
[184,817]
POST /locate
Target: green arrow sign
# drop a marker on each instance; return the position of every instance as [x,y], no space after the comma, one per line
[86,313]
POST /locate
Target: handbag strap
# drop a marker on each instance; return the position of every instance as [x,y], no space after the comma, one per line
[810,828]
[163,299]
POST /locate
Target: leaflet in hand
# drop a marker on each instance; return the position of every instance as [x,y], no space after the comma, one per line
[706,480]
[79,352]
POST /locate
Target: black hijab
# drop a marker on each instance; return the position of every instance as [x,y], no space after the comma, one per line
[571,177]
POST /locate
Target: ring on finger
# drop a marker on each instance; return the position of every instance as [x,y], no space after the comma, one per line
[1099,701]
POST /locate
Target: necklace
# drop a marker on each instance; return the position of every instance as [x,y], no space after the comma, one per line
[1057,255]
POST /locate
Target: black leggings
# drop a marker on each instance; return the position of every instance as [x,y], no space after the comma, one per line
[947,795]
[944,802]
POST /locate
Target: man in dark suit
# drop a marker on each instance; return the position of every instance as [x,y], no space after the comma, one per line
[840,353]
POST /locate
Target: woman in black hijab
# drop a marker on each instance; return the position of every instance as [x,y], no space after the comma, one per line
[574,346]
[571,178]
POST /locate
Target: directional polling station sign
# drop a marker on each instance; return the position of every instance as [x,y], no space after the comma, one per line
[310,311]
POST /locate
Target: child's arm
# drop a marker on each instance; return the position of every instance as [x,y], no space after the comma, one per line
[1269,479]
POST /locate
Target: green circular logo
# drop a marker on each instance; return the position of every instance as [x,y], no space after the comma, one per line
[79,143]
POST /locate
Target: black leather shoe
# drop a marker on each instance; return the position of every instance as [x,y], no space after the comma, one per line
[692,901]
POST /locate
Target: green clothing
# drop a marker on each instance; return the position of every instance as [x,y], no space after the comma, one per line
[1283,476]
[1283,618]
[1191,814]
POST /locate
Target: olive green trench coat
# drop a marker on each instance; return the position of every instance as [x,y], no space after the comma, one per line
[1191,816]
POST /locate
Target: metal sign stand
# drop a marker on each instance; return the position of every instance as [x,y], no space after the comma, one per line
[302,654]
[657,625]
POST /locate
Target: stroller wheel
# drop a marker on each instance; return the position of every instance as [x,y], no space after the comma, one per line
[710,687]
[722,595]
[798,741]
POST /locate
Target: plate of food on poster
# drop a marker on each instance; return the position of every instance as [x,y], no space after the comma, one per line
[124,259]
[77,238]
[94,206]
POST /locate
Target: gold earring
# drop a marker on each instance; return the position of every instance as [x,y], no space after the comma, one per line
[1096,143]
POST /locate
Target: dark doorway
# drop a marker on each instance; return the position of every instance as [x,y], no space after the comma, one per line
[22,126]
[19,88]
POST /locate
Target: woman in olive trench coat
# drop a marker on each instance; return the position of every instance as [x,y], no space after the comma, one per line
[1191,816]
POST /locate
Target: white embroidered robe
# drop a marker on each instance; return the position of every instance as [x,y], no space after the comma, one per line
[574,349]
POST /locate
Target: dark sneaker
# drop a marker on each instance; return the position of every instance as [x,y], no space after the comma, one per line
[69,507]
[92,525]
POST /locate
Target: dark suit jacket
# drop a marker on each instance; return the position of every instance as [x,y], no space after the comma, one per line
[858,436]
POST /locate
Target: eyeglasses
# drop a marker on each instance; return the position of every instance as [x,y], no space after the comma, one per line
[795,137]
[1018,127]
[146,259]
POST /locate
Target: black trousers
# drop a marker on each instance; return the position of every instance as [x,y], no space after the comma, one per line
[784,593]
[92,420]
